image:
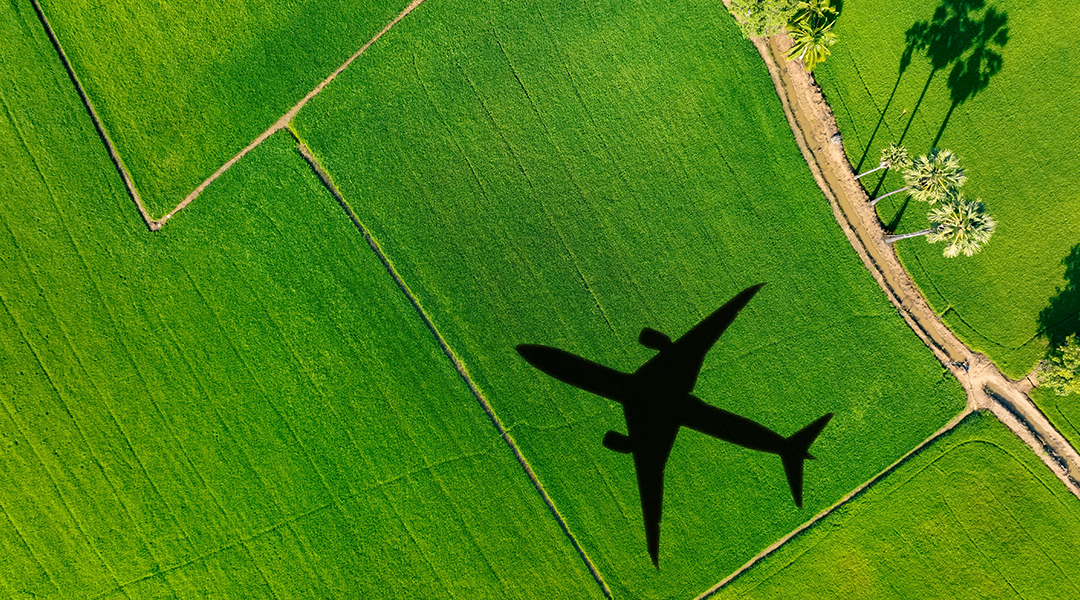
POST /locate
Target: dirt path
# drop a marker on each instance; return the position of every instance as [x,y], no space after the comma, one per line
[987,388]
[286,118]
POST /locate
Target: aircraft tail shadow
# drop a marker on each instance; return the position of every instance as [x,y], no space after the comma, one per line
[797,451]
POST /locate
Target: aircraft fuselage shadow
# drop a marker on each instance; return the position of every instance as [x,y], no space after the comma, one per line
[657,402]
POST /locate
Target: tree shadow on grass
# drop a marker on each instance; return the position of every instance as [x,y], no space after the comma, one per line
[905,61]
[895,222]
[1061,317]
[962,33]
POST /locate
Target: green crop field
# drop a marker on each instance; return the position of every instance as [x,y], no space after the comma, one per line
[969,517]
[567,174]
[1014,126]
[182,88]
[244,405]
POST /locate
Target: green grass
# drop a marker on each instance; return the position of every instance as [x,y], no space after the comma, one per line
[1062,411]
[1015,138]
[242,405]
[182,88]
[567,174]
[975,515]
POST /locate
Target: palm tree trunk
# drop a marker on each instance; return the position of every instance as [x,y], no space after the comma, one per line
[889,239]
[880,198]
[878,168]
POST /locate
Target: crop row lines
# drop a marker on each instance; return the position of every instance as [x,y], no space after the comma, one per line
[283,123]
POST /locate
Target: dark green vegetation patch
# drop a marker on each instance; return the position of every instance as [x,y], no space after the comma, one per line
[243,405]
[1004,98]
[976,515]
[566,174]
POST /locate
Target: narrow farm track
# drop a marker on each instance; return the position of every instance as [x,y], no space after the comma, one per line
[324,177]
[285,119]
[987,388]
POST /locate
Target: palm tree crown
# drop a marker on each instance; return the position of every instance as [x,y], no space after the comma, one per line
[891,155]
[894,155]
[813,10]
[933,176]
[811,42]
[962,223]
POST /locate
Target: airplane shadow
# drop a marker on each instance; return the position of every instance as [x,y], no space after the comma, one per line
[657,402]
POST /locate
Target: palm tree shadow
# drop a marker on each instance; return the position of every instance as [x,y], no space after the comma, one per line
[881,117]
[1061,317]
[895,222]
[971,76]
[962,34]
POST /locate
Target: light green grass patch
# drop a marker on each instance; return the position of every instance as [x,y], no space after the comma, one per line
[975,515]
[566,174]
[241,405]
[1015,137]
[182,87]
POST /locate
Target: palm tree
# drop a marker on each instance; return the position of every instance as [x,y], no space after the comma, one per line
[931,177]
[892,154]
[811,42]
[817,11]
[962,223]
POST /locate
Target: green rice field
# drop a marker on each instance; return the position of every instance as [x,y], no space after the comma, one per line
[181,88]
[568,174]
[1011,71]
[975,515]
[244,405]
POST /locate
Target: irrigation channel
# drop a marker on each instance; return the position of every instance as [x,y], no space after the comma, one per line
[987,388]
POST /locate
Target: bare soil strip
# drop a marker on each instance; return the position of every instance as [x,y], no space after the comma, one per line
[153,225]
[454,359]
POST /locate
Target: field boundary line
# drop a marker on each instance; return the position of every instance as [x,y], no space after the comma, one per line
[105,139]
[459,366]
[831,509]
[285,119]
[818,137]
